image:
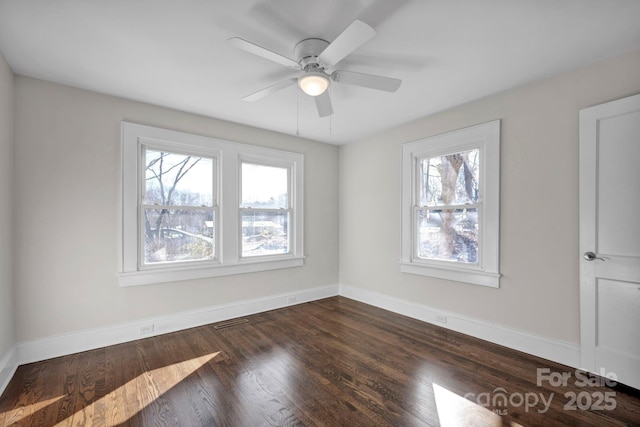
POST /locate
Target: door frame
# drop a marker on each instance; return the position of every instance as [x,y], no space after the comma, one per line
[588,168]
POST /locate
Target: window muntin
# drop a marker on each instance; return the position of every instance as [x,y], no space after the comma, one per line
[265,210]
[447,207]
[178,211]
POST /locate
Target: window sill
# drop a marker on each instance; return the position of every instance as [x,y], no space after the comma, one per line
[147,277]
[475,277]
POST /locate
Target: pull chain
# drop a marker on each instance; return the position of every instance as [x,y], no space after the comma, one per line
[330,117]
[297,113]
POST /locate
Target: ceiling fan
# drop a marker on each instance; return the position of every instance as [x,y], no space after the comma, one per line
[316,59]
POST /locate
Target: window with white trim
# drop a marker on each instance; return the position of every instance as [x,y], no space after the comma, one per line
[178,206]
[450,205]
[265,210]
[195,207]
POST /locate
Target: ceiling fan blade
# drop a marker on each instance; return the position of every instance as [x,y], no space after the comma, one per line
[323,103]
[269,90]
[349,40]
[253,48]
[371,81]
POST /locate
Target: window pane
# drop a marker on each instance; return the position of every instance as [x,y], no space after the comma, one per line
[264,186]
[449,180]
[265,233]
[178,235]
[178,179]
[449,235]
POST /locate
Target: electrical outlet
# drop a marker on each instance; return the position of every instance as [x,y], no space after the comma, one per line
[146,329]
[441,318]
[291,300]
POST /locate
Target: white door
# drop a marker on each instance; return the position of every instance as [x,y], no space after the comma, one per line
[610,239]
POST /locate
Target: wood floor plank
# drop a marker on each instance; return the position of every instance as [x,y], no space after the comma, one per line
[326,363]
[121,401]
[25,392]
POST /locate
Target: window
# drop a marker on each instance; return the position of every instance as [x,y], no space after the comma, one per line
[264,209]
[450,205]
[178,208]
[179,189]
[447,207]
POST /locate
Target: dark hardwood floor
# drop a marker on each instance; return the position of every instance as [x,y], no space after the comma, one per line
[333,362]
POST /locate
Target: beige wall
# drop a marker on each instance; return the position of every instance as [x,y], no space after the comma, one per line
[67,175]
[539,257]
[6,208]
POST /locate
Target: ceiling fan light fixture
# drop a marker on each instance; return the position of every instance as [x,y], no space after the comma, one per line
[313,84]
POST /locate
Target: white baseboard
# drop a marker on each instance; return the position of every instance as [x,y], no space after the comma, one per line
[556,351]
[60,345]
[8,365]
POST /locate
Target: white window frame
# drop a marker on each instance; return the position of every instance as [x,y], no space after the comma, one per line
[146,143]
[486,138]
[290,166]
[228,225]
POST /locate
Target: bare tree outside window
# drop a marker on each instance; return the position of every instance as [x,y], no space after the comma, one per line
[178,210]
[447,212]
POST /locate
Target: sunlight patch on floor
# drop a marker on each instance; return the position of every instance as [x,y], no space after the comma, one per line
[455,411]
[144,389]
[15,415]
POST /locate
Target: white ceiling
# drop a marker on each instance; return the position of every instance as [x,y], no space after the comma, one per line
[174,54]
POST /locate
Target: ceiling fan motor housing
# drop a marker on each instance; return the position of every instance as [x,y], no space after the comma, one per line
[307,52]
